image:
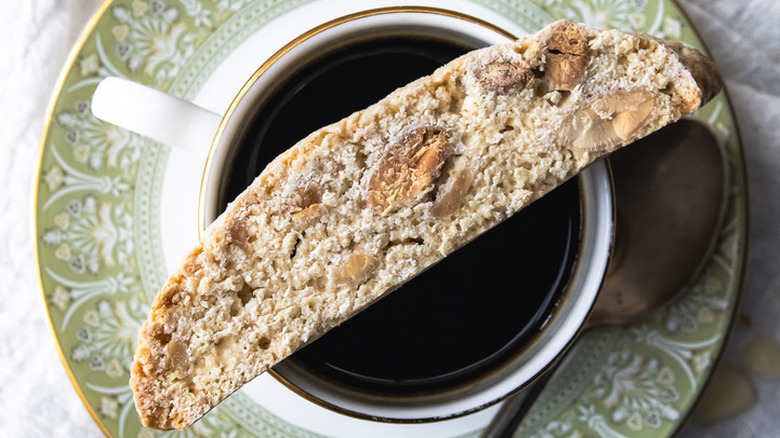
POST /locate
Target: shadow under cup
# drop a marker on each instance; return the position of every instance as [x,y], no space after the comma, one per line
[467,332]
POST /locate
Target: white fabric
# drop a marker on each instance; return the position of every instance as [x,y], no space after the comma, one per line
[36,397]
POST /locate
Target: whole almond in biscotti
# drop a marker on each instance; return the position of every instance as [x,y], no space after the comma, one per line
[503,76]
[567,56]
[408,167]
[360,207]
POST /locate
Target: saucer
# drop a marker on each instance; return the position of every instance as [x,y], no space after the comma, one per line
[114,211]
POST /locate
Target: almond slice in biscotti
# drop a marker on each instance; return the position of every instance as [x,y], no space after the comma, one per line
[361,206]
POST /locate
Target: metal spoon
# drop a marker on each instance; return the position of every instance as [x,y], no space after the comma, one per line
[670,196]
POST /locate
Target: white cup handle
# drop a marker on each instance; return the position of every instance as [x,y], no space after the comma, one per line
[152,113]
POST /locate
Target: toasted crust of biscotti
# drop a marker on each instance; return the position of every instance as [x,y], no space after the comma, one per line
[359,207]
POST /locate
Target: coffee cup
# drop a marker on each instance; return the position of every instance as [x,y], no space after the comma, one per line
[266,116]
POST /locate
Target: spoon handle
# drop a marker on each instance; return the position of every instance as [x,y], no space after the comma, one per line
[515,408]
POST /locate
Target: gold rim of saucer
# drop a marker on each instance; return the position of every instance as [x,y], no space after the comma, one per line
[58,88]
[56,92]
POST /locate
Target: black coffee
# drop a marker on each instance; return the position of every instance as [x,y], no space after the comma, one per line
[466,315]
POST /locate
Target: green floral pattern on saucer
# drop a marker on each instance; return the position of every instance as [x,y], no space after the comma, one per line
[97,230]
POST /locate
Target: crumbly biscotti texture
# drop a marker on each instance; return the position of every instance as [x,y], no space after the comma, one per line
[359,207]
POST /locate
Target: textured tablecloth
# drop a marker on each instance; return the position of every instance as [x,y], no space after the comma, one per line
[36,397]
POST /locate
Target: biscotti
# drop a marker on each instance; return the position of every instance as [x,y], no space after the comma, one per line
[359,207]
